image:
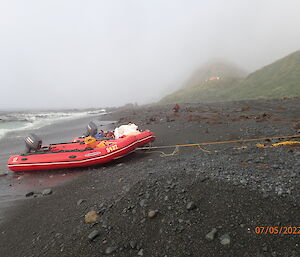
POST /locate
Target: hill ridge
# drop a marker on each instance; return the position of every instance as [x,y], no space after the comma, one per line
[278,79]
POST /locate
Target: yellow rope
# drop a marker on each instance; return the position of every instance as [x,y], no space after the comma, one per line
[292,143]
[176,150]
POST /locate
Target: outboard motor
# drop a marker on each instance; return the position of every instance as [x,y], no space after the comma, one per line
[33,142]
[91,129]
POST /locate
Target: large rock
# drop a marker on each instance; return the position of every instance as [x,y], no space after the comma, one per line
[91,217]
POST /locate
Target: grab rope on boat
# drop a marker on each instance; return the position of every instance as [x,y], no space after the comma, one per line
[200,145]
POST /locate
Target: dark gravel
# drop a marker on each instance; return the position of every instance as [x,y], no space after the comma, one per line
[203,202]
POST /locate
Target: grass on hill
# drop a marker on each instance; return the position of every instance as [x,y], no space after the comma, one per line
[279,79]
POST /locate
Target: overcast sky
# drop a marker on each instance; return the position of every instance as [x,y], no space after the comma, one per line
[90,53]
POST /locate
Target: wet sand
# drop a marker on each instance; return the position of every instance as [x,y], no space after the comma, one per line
[230,189]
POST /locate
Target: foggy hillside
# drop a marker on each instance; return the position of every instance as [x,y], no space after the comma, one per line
[279,79]
[220,69]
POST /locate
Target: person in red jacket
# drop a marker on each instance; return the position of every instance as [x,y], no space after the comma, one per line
[176,108]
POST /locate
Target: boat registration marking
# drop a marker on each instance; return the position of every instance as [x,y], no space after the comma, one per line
[111,148]
[92,154]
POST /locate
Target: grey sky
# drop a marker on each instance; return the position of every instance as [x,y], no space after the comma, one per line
[89,53]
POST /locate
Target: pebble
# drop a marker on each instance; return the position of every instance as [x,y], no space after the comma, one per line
[141,252]
[47,191]
[211,234]
[179,229]
[133,244]
[204,179]
[58,235]
[152,214]
[93,235]
[139,246]
[265,195]
[80,201]
[91,217]
[279,190]
[143,203]
[243,181]
[110,249]
[29,194]
[147,195]
[190,206]
[225,239]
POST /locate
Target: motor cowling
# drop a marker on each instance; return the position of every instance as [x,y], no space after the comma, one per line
[91,129]
[32,143]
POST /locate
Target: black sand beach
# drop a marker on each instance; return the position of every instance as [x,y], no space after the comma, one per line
[204,201]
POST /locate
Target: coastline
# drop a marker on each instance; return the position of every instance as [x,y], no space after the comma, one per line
[232,189]
[14,186]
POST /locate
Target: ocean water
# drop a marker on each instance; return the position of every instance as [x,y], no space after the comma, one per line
[15,126]
[51,127]
[14,121]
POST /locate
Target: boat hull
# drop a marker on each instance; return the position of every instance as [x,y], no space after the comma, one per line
[77,154]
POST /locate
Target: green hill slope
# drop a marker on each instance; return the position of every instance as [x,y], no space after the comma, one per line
[279,79]
[210,91]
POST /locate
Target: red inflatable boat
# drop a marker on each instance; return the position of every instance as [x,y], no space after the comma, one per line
[78,154]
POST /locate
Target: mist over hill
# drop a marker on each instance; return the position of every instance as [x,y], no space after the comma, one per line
[213,69]
[222,82]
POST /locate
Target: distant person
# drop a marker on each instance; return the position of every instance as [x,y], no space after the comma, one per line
[176,108]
